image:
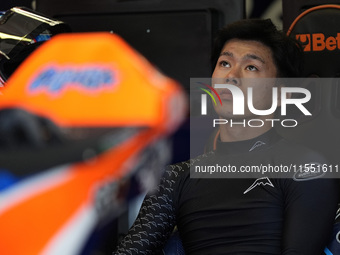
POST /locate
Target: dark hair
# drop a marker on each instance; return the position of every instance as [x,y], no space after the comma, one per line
[287,52]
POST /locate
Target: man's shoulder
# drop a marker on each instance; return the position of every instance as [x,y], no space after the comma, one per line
[295,147]
[298,153]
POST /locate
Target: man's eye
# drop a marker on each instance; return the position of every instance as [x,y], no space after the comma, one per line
[224,64]
[252,68]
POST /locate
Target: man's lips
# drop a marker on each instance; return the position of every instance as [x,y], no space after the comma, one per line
[225,94]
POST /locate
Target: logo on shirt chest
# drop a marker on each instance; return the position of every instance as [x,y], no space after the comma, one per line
[263,181]
[256,145]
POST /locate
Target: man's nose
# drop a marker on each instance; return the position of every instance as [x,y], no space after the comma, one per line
[232,80]
[233,77]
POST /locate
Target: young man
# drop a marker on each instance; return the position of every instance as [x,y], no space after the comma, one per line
[241,215]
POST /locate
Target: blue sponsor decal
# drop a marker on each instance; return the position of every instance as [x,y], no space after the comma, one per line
[55,79]
[42,38]
[7,179]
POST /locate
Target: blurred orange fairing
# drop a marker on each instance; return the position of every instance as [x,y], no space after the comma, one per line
[44,211]
[82,80]
[93,79]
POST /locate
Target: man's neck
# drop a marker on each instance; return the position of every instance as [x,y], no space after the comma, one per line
[240,132]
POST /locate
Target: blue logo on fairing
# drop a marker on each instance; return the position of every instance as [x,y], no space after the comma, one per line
[90,78]
[7,179]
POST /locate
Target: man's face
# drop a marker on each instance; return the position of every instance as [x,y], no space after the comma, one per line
[242,63]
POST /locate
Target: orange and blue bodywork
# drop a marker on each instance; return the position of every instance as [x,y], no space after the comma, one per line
[93,81]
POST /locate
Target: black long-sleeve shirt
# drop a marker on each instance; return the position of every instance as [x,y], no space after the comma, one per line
[264,215]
